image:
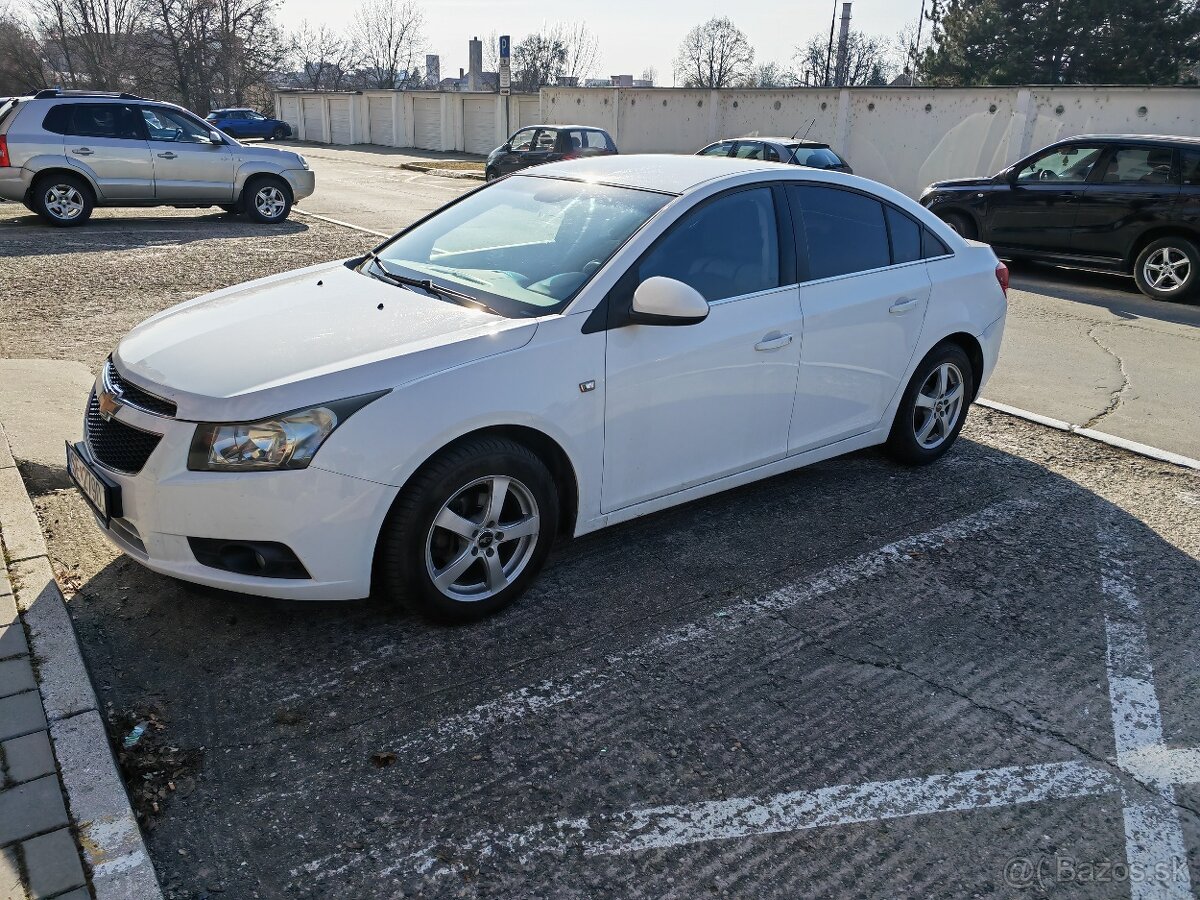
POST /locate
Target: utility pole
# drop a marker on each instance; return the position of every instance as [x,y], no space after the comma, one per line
[916,52]
[829,52]
[843,53]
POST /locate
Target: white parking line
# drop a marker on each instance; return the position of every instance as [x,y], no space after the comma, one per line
[305,212]
[1153,836]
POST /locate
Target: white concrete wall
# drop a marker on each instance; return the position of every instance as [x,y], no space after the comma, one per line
[904,137]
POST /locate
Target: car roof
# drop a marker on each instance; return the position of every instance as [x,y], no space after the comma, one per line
[563,127]
[1145,138]
[653,171]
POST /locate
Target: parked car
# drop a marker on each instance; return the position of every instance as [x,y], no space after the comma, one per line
[813,154]
[1119,203]
[540,144]
[64,153]
[546,355]
[247,123]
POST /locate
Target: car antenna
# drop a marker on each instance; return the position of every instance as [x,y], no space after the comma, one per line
[806,131]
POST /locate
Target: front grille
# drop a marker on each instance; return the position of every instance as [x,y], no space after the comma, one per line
[115,444]
[136,396]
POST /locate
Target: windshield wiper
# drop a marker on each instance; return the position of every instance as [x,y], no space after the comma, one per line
[427,285]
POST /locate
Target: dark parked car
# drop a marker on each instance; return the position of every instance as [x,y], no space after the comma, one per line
[246,123]
[813,154]
[539,144]
[1123,203]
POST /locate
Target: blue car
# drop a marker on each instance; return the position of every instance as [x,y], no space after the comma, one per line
[246,123]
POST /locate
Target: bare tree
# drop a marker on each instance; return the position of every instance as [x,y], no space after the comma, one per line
[22,62]
[714,55]
[389,38]
[581,46]
[540,59]
[324,59]
[650,74]
[870,60]
[97,44]
[772,75]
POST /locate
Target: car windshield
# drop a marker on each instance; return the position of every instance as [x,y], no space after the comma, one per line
[523,246]
[816,157]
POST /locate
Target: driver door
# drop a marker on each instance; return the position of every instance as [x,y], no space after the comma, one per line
[188,165]
[689,404]
[1038,210]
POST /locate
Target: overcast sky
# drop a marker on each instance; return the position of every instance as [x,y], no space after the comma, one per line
[633,34]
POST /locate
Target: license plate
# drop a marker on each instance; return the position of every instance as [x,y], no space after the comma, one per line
[103,495]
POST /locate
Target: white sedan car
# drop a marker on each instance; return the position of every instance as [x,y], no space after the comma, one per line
[560,350]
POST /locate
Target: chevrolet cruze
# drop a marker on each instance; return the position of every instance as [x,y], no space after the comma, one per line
[557,351]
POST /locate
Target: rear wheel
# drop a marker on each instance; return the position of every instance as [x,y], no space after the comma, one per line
[962,224]
[279,133]
[933,408]
[63,200]
[1168,269]
[470,531]
[267,199]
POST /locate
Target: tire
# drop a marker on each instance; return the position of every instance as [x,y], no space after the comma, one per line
[962,225]
[267,199]
[913,440]
[63,200]
[490,175]
[415,546]
[279,133]
[1168,269]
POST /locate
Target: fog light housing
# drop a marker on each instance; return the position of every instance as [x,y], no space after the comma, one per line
[264,559]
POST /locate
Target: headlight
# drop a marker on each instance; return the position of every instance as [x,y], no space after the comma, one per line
[303,162]
[287,441]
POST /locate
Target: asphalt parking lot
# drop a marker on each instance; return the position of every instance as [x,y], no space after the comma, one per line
[976,679]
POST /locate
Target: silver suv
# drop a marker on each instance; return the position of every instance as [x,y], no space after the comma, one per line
[63,153]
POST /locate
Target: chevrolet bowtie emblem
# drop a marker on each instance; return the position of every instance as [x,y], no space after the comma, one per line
[109,404]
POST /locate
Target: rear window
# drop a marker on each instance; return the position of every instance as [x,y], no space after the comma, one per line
[906,236]
[931,245]
[58,119]
[6,107]
[816,157]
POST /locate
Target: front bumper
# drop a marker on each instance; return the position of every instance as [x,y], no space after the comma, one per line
[330,521]
[302,181]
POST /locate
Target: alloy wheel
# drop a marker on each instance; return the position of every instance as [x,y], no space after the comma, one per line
[269,201]
[1167,269]
[938,405]
[64,201]
[482,538]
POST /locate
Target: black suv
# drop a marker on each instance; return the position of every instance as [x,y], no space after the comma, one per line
[1124,203]
[547,143]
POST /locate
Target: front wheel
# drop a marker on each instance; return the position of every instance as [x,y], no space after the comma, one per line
[267,200]
[279,133]
[1168,269]
[490,175]
[470,531]
[933,408]
[962,225]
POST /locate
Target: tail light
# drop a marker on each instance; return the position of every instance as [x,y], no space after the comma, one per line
[4,163]
[1002,277]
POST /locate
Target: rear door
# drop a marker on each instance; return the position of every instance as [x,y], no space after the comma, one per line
[864,292]
[1134,187]
[1037,211]
[107,141]
[188,166]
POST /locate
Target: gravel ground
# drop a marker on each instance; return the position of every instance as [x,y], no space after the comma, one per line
[72,293]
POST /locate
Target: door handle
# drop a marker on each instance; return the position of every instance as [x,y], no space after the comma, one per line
[773,341]
[82,151]
[903,305]
[167,155]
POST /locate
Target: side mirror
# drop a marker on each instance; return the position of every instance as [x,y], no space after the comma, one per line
[665,301]
[1011,175]
[216,137]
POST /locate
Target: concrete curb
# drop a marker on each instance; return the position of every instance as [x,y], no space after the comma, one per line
[98,804]
[444,173]
[1104,438]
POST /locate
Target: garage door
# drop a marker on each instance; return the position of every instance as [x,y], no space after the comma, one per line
[529,112]
[479,126]
[427,121]
[339,121]
[380,114]
[289,111]
[314,128]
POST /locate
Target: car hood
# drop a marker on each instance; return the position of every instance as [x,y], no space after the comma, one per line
[302,338]
[285,159]
[951,183]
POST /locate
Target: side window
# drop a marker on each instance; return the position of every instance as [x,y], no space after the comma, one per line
[932,245]
[171,125]
[1190,163]
[844,231]
[594,140]
[770,155]
[721,149]
[58,119]
[1140,165]
[572,141]
[749,150]
[906,236]
[109,120]
[1065,164]
[522,140]
[726,248]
